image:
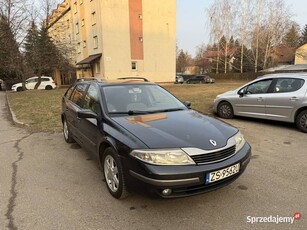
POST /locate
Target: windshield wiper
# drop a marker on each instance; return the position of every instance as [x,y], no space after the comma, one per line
[169,110]
[138,112]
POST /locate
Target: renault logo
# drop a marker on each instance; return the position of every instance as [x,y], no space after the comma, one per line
[213,142]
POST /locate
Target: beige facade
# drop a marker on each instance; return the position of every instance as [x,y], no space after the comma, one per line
[301,55]
[108,39]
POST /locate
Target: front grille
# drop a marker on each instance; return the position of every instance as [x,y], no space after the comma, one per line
[215,156]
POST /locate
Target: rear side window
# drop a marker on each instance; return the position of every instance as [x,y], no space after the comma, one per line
[78,93]
[69,92]
[285,85]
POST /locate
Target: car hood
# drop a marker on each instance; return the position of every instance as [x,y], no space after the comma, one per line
[229,93]
[178,129]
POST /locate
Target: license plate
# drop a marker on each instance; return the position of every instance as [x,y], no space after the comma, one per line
[222,173]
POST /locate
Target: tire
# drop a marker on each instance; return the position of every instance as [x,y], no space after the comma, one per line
[48,87]
[225,110]
[301,121]
[66,133]
[113,174]
[19,89]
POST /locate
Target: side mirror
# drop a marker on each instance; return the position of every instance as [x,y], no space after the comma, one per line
[86,113]
[241,92]
[187,104]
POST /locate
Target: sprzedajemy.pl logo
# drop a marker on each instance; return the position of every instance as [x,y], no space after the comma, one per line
[273,219]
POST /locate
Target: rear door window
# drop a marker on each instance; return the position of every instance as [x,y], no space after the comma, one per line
[285,85]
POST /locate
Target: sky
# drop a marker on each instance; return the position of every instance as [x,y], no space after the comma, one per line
[193,27]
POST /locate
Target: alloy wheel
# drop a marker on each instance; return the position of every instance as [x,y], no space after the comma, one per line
[111,173]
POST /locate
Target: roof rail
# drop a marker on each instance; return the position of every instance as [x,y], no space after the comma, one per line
[87,79]
[131,78]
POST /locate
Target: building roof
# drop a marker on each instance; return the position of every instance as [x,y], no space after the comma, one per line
[89,59]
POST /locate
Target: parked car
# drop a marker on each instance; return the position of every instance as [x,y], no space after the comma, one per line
[47,83]
[200,79]
[281,97]
[143,137]
[179,79]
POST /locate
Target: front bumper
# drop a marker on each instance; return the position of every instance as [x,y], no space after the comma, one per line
[187,180]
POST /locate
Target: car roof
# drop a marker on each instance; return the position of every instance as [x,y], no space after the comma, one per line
[284,75]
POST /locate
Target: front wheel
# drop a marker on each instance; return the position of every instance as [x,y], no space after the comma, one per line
[301,121]
[67,136]
[225,110]
[113,173]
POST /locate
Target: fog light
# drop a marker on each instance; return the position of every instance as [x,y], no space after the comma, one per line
[167,192]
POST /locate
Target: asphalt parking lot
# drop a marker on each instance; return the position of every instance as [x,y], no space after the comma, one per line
[48,184]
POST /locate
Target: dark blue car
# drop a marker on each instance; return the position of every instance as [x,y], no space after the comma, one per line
[145,139]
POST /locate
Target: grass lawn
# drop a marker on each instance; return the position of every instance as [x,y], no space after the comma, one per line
[41,109]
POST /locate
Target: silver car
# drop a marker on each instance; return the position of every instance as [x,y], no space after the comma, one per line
[280,97]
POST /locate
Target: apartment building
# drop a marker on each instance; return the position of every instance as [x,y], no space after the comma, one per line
[117,38]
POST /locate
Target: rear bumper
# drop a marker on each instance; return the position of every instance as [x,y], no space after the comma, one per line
[188,180]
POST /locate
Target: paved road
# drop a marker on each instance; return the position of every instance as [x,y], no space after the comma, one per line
[48,184]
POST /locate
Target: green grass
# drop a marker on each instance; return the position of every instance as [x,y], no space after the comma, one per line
[41,109]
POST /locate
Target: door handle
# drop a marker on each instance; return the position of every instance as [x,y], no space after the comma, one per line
[294,99]
[260,99]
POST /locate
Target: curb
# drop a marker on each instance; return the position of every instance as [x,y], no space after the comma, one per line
[15,120]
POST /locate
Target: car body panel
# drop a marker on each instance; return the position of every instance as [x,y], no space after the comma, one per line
[31,82]
[274,104]
[196,131]
[154,131]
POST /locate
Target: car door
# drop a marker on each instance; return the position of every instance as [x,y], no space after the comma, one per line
[89,126]
[71,111]
[287,95]
[251,99]
[30,83]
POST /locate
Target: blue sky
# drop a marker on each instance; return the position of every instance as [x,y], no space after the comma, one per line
[193,28]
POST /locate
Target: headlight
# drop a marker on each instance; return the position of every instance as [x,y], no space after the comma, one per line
[240,141]
[163,157]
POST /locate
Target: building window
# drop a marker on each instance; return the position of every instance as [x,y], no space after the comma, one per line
[75,7]
[93,18]
[82,22]
[77,28]
[140,16]
[97,67]
[95,41]
[79,47]
[141,39]
[134,65]
[84,43]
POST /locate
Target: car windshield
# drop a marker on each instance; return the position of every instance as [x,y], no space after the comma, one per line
[139,99]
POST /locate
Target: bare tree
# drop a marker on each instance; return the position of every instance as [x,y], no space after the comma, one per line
[17,15]
[244,13]
[215,20]
[222,15]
